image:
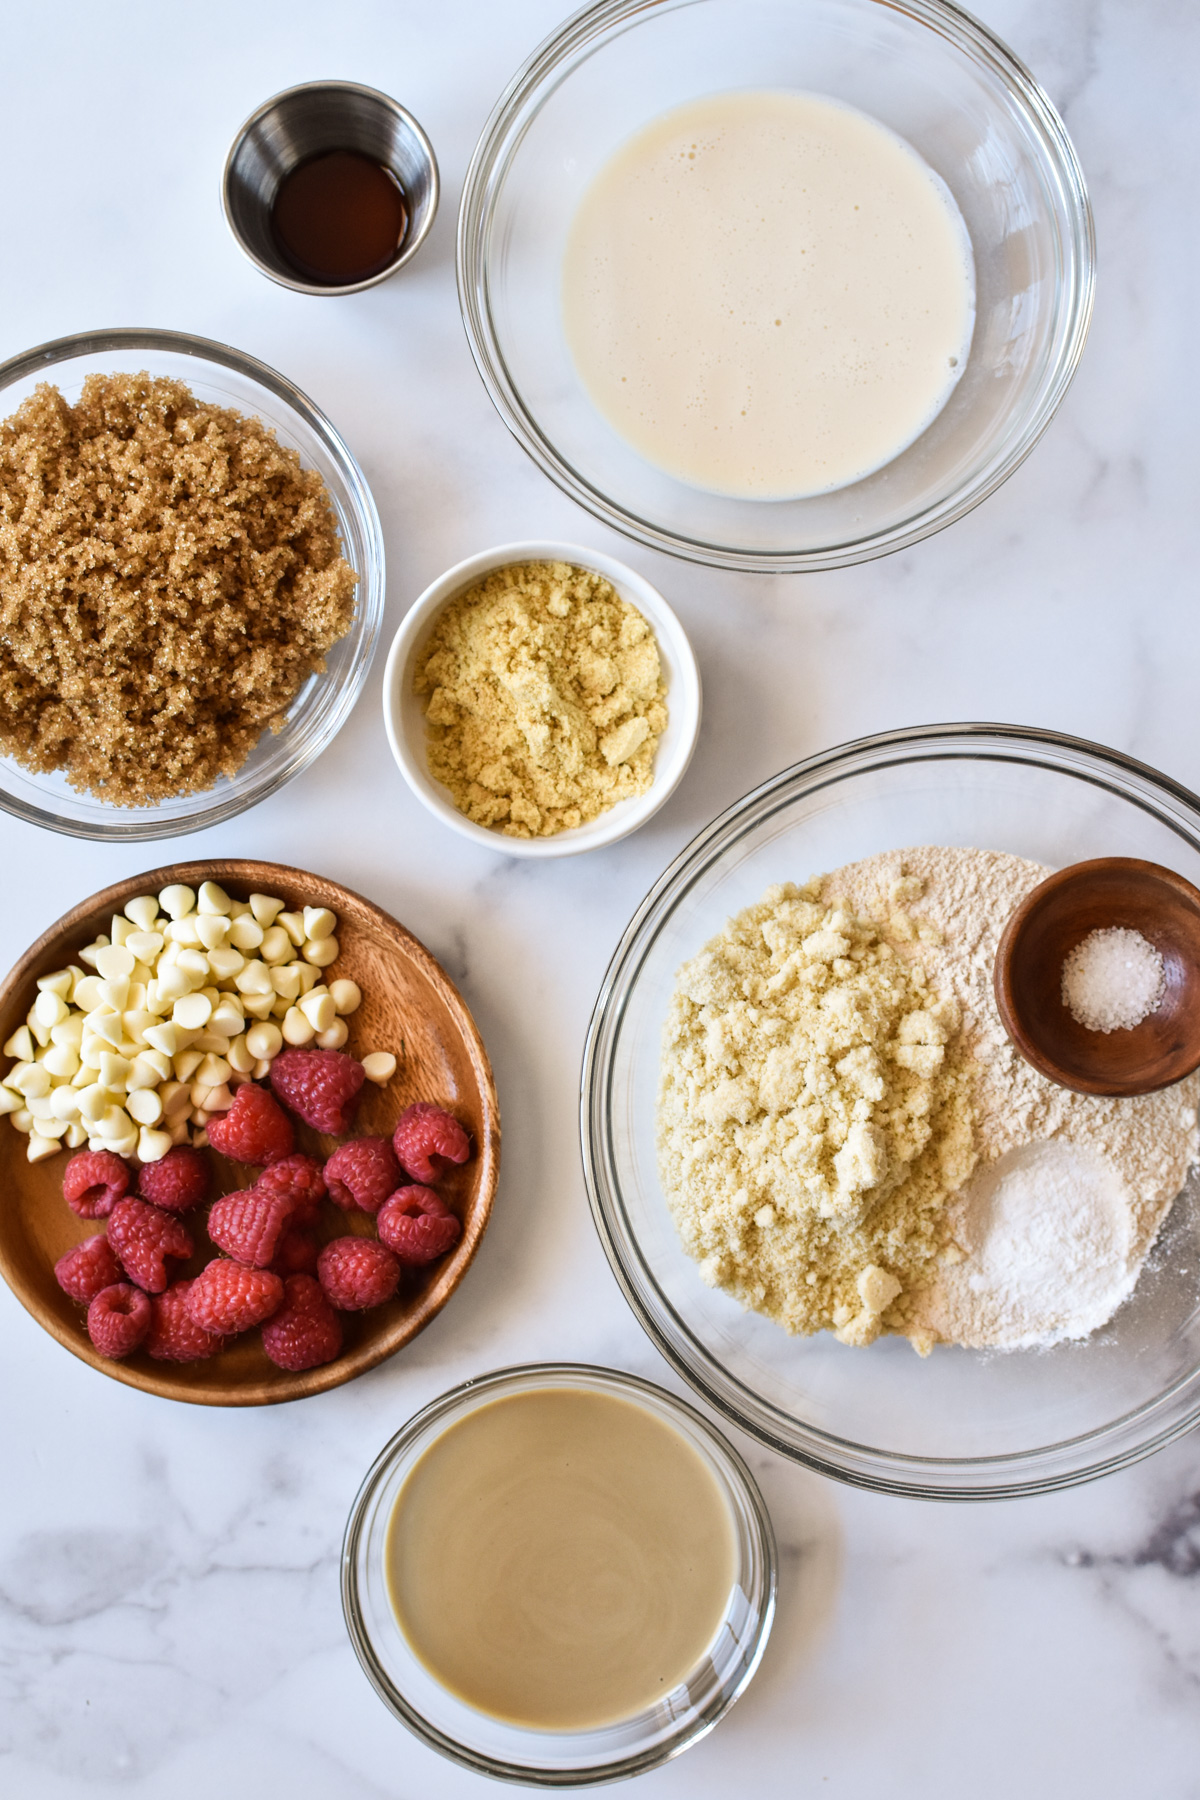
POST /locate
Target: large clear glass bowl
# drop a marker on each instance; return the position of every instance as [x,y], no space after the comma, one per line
[960,1424]
[225,377]
[554,1759]
[926,69]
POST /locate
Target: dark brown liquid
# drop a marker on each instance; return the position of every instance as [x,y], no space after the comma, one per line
[339,217]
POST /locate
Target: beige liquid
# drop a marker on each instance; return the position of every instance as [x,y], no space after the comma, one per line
[560,1559]
[769,295]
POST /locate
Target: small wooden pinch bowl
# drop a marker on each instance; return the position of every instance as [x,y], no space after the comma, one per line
[409,1006]
[1059,913]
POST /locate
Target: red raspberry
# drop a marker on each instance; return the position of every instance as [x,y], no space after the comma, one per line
[296,1254]
[118,1319]
[299,1178]
[249,1225]
[321,1086]
[93,1182]
[362,1173]
[358,1272]
[418,1225]
[254,1130]
[143,1238]
[227,1298]
[426,1139]
[305,1331]
[90,1266]
[179,1181]
[174,1335]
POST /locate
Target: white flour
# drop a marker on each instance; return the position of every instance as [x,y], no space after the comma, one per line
[1070,1189]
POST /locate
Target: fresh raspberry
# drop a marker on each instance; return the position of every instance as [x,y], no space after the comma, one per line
[118,1319]
[320,1086]
[296,1254]
[301,1179]
[358,1272]
[179,1181]
[426,1139]
[305,1331]
[174,1335]
[90,1266]
[227,1298]
[143,1238]
[94,1181]
[418,1225]
[362,1173]
[249,1225]
[254,1130]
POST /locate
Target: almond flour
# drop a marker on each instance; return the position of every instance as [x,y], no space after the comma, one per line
[545,699]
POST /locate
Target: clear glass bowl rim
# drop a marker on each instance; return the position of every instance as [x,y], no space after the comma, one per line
[498,144]
[1013,1475]
[369,606]
[460,1400]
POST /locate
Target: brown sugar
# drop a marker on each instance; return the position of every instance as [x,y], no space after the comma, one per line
[169,578]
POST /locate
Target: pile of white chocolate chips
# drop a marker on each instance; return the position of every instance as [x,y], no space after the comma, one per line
[848,1140]
[190,995]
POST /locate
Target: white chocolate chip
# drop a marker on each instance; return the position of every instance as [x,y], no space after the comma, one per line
[10,1100]
[285,978]
[262,1069]
[64,1104]
[192,1012]
[142,910]
[296,1028]
[245,933]
[41,1147]
[264,1040]
[214,1071]
[379,1066]
[335,1037]
[145,944]
[266,909]
[50,1008]
[258,1006]
[186,1064]
[241,1058]
[276,945]
[114,959]
[75,1137]
[212,899]
[60,983]
[293,924]
[121,928]
[152,1145]
[144,1106]
[20,1044]
[319,1010]
[321,953]
[212,929]
[177,901]
[22,1120]
[254,979]
[61,1060]
[347,995]
[319,923]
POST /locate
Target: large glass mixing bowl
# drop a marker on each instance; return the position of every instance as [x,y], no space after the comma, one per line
[960,1424]
[929,71]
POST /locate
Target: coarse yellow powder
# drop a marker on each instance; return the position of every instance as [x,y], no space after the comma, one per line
[814,1118]
[545,699]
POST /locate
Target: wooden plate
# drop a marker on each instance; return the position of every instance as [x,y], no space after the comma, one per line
[409,1006]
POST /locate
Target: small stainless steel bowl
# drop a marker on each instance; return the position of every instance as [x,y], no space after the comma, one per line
[305,121]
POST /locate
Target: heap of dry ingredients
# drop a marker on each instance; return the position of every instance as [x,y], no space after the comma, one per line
[169,579]
[1019,1214]
[546,699]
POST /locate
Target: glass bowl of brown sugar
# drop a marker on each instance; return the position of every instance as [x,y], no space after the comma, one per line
[208,627]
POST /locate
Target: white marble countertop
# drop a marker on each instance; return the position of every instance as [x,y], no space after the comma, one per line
[169,1613]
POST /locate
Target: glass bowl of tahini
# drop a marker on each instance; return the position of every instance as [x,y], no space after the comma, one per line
[958,1423]
[775,285]
[559,1575]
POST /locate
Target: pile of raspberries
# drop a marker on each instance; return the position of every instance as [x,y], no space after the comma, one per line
[273,1272]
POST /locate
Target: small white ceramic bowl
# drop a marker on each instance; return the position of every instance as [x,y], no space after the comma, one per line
[404,712]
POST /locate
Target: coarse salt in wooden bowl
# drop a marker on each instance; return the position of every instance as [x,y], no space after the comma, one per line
[409,1006]
[1051,921]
